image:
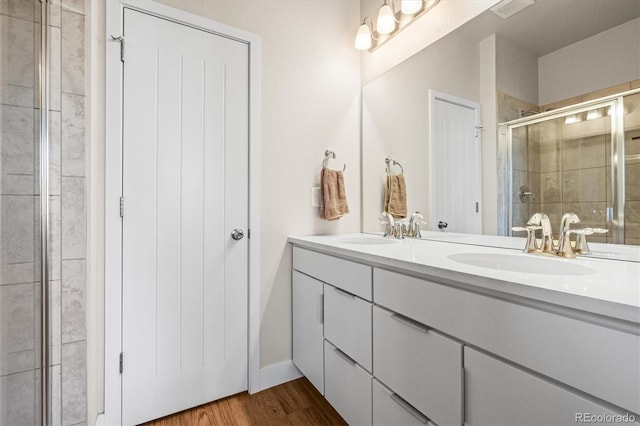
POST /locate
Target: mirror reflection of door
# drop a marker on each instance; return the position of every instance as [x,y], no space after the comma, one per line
[456,181]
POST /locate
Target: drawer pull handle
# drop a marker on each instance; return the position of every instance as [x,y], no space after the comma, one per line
[344,293]
[344,356]
[411,323]
[409,408]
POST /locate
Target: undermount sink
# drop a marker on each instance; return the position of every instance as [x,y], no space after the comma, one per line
[530,264]
[365,240]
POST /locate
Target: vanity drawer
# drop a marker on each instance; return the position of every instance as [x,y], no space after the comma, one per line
[420,365]
[500,394]
[349,276]
[555,345]
[390,409]
[347,324]
[347,386]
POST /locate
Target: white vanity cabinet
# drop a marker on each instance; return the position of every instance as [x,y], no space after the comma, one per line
[307,295]
[419,364]
[341,347]
[403,349]
[501,394]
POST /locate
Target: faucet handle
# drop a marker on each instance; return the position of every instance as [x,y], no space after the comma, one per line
[531,245]
[581,239]
[387,219]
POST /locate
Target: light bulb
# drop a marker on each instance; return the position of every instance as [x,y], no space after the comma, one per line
[409,7]
[363,37]
[386,20]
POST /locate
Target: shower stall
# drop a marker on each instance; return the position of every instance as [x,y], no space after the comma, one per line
[583,159]
[42,213]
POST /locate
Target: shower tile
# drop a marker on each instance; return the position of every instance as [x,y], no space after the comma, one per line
[18,317]
[55,72]
[584,185]
[73,300]
[550,187]
[584,153]
[554,211]
[635,84]
[23,9]
[632,147]
[19,39]
[17,399]
[73,135]
[623,87]
[17,184]
[632,182]
[632,220]
[55,237]
[74,375]
[55,321]
[76,6]
[54,153]
[74,221]
[54,13]
[17,273]
[11,94]
[592,215]
[519,154]
[55,410]
[549,156]
[520,215]
[17,225]
[72,53]
[18,140]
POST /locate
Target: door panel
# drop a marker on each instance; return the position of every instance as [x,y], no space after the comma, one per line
[185,185]
[455,151]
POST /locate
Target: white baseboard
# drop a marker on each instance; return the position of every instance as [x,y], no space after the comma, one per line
[277,374]
[100,419]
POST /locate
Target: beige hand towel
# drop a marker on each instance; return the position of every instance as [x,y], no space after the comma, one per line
[395,196]
[334,196]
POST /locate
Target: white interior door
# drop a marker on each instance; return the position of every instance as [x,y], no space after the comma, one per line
[185,188]
[456,175]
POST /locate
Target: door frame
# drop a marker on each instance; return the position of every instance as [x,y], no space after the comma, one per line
[435,95]
[113,191]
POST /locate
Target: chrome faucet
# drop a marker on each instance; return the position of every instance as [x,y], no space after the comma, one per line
[542,220]
[414,225]
[389,224]
[564,245]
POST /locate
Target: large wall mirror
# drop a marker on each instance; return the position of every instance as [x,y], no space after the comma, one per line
[551,55]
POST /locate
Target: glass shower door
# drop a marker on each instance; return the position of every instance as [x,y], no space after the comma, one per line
[25,387]
[562,163]
[631,109]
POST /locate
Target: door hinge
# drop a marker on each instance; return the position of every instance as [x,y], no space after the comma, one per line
[477,207]
[121,362]
[121,40]
[121,206]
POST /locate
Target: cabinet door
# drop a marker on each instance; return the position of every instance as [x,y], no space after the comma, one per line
[348,324]
[347,386]
[307,328]
[419,364]
[497,393]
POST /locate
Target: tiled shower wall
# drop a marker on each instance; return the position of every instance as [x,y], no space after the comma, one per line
[19,204]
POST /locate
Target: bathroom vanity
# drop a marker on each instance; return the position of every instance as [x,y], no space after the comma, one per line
[428,332]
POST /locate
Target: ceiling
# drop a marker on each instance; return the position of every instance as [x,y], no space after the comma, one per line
[549,25]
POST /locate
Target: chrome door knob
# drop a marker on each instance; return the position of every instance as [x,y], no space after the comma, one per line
[237,234]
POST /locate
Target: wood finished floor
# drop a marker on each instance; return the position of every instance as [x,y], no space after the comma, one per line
[293,403]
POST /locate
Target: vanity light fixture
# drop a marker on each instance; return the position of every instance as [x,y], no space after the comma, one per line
[389,22]
[386,23]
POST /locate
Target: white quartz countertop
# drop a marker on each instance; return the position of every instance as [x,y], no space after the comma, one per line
[608,287]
